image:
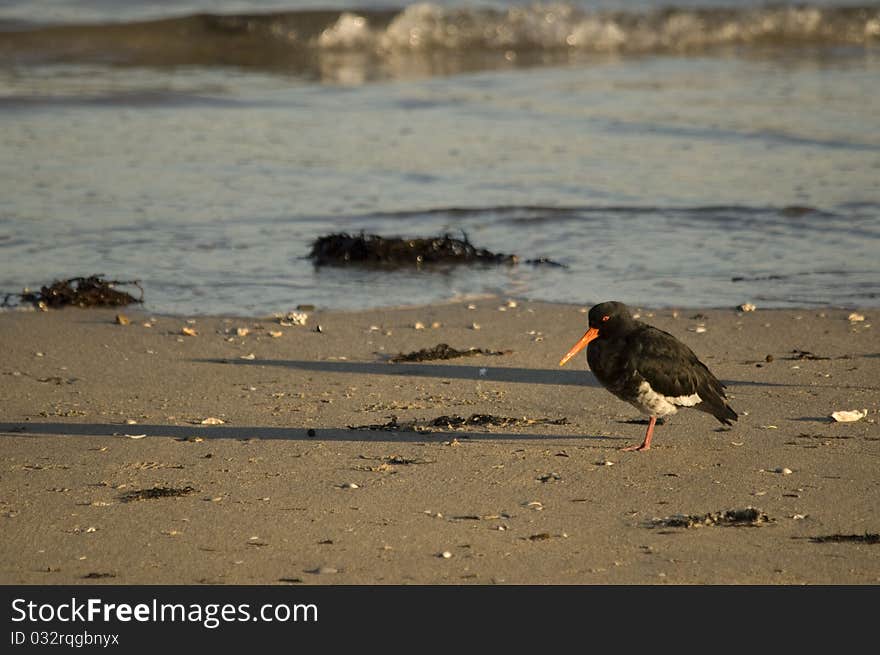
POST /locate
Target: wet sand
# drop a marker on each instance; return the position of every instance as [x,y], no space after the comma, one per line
[95,415]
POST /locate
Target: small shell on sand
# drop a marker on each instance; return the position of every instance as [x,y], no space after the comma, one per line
[746,307]
[293,318]
[848,416]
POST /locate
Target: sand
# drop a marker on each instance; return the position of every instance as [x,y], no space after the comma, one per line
[94,415]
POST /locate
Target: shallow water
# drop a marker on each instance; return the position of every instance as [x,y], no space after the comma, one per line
[657,173]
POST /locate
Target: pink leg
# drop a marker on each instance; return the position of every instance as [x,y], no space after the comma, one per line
[646,444]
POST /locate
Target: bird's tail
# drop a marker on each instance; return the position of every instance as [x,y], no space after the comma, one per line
[726,413]
[715,403]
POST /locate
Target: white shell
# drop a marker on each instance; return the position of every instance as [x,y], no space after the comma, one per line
[847,416]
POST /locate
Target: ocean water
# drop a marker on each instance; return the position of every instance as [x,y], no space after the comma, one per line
[696,154]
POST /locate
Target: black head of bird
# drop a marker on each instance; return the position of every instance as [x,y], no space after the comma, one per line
[605,320]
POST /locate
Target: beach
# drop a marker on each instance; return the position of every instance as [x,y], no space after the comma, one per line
[140,454]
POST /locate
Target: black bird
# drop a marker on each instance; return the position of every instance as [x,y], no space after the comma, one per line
[648,368]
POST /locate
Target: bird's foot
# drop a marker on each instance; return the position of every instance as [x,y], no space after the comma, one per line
[636,448]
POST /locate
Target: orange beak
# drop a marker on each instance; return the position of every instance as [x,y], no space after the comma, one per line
[591,334]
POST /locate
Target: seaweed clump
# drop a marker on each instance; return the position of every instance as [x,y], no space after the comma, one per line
[748,516]
[443,351]
[372,249]
[489,420]
[871,538]
[457,422]
[156,492]
[92,291]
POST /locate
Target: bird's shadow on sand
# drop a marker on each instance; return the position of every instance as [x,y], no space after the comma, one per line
[557,376]
[241,433]
[446,371]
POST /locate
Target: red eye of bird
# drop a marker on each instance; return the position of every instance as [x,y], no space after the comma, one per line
[605,318]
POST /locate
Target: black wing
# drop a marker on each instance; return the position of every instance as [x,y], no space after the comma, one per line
[671,368]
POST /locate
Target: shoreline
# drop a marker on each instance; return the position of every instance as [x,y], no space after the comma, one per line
[257,500]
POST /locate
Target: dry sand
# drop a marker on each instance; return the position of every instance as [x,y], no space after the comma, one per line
[266,503]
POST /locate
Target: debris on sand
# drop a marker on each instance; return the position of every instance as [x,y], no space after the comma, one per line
[850,415]
[443,351]
[871,538]
[292,319]
[391,426]
[458,422]
[341,249]
[488,420]
[156,492]
[92,291]
[388,463]
[405,461]
[805,354]
[748,516]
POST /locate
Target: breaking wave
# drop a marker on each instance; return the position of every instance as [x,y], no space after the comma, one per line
[277,39]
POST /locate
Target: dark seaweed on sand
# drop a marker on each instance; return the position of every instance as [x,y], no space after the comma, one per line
[373,250]
[805,354]
[488,420]
[391,426]
[455,421]
[443,351]
[748,516]
[156,492]
[871,538]
[92,291]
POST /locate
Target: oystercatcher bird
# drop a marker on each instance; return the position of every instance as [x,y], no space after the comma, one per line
[648,368]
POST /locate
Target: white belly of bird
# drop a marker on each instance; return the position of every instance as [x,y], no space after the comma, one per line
[653,403]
